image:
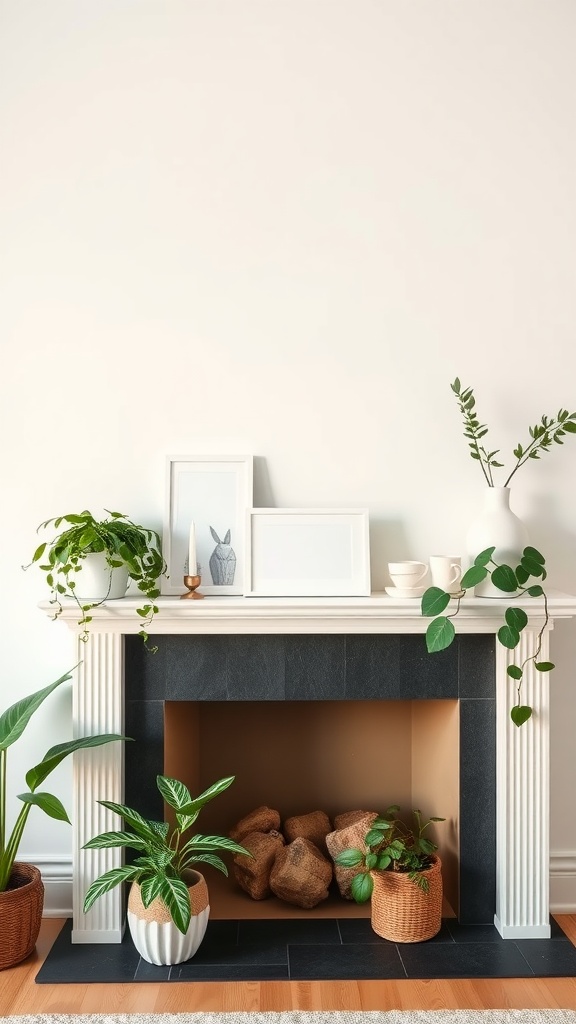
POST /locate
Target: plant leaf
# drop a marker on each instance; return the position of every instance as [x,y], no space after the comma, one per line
[198,802]
[440,634]
[516,618]
[514,672]
[520,714]
[349,858]
[174,893]
[484,557]
[55,755]
[473,576]
[504,578]
[108,881]
[113,839]
[434,601]
[16,718]
[535,554]
[175,793]
[51,805]
[508,636]
[544,666]
[361,888]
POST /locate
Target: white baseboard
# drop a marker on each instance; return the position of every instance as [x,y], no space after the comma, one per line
[563,882]
[56,871]
[57,877]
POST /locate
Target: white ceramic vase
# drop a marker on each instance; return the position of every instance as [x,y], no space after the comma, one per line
[153,931]
[94,582]
[499,527]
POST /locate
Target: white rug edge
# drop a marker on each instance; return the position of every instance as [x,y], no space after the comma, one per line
[461,1016]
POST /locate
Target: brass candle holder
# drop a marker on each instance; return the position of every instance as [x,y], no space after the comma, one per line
[191,583]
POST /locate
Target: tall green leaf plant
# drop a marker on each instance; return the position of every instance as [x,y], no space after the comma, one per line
[12,724]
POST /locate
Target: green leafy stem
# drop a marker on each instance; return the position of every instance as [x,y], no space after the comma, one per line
[550,429]
[514,581]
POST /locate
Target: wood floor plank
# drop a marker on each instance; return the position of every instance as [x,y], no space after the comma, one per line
[19,994]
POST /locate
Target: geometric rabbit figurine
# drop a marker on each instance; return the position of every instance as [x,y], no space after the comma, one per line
[222,561]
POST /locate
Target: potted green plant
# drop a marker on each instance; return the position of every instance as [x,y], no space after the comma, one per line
[400,872]
[21,888]
[168,902]
[91,560]
[503,563]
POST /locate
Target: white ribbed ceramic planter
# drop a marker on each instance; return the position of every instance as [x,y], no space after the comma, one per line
[153,931]
[93,580]
[496,526]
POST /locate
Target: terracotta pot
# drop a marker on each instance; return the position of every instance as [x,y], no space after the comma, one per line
[153,931]
[20,913]
[401,911]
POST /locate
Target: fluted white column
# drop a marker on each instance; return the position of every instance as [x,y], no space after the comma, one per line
[98,775]
[522,796]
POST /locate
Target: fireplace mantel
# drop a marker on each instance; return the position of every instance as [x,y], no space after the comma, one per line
[522,755]
[375,614]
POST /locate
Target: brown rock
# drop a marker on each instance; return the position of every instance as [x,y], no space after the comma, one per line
[349,838]
[314,826]
[301,874]
[262,819]
[348,818]
[253,873]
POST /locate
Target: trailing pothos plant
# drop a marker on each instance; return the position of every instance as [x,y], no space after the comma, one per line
[163,854]
[519,581]
[390,845]
[123,542]
[550,429]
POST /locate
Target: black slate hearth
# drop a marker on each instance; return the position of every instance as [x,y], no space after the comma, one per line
[325,950]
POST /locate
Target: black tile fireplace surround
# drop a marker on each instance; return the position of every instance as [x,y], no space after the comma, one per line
[324,667]
[318,667]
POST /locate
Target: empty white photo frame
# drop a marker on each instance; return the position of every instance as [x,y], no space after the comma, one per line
[213,492]
[307,552]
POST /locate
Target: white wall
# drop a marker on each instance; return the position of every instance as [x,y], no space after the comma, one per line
[284,227]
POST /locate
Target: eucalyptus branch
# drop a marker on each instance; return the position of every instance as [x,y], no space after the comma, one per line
[543,434]
[550,429]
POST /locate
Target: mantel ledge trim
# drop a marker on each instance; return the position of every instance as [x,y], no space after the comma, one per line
[377,613]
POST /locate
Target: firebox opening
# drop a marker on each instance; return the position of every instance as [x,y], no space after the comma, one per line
[303,756]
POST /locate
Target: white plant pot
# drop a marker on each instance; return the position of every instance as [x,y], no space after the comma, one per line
[153,931]
[95,581]
[496,526]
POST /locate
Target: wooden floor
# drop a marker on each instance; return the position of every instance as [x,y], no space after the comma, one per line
[19,993]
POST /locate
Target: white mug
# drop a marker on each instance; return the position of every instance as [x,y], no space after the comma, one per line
[446,572]
[407,575]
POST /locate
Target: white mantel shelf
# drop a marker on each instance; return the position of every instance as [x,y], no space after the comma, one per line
[522,755]
[374,614]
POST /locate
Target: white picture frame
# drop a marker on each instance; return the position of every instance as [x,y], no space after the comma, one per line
[307,552]
[213,492]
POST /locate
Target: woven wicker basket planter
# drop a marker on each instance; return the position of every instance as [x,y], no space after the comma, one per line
[401,912]
[20,914]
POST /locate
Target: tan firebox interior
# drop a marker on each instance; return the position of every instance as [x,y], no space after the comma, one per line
[303,756]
